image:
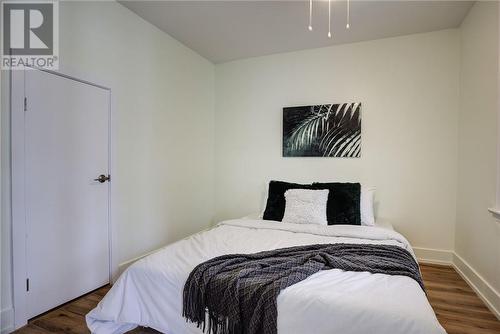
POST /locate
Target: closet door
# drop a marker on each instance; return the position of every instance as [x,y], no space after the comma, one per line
[66,189]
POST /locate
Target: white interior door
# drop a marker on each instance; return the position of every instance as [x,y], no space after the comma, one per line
[66,148]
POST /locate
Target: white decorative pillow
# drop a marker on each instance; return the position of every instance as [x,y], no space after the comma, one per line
[366,206]
[304,206]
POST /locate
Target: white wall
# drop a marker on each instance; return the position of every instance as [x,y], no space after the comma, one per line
[5,262]
[477,231]
[409,90]
[163,95]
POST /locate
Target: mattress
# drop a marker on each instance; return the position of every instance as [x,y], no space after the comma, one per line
[149,293]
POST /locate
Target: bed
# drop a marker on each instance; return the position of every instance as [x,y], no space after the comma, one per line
[149,293]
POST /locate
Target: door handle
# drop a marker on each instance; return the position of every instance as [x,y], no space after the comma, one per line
[103,178]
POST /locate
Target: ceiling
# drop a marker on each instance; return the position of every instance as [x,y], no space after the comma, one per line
[222,31]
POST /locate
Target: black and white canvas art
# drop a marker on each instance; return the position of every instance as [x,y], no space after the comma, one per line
[326,130]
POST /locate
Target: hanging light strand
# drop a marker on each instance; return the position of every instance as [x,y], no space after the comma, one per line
[310,27]
[348,25]
[329,18]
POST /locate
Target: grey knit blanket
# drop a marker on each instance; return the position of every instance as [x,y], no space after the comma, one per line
[237,293]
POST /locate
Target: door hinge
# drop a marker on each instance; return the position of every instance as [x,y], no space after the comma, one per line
[27,284]
[25,103]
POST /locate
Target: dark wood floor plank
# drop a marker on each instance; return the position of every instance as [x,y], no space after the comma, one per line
[81,306]
[60,321]
[32,329]
[457,308]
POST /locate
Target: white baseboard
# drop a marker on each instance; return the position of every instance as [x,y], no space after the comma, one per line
[483,289]
[434,256]
[7,320]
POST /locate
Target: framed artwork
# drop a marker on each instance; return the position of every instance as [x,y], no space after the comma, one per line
[325,130]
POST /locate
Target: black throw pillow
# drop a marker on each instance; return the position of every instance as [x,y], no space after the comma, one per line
[276,202]
[343,206]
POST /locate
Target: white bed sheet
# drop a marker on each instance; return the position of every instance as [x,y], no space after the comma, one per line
[149,293]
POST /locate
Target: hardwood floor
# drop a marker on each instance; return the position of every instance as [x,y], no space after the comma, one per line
[457,307]
[70,318]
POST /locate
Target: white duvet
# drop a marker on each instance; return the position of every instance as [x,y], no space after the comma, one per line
[149,293]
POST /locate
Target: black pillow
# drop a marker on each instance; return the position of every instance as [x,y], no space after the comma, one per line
[275,206]
[343,206]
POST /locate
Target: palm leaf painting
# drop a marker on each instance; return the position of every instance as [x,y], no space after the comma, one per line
[326,130]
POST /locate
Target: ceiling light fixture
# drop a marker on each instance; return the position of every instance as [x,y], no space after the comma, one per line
[347,26]
[329,18]
[310,15]
[348,16]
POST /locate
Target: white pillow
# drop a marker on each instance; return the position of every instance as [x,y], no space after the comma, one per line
[366,206]
[304,206]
